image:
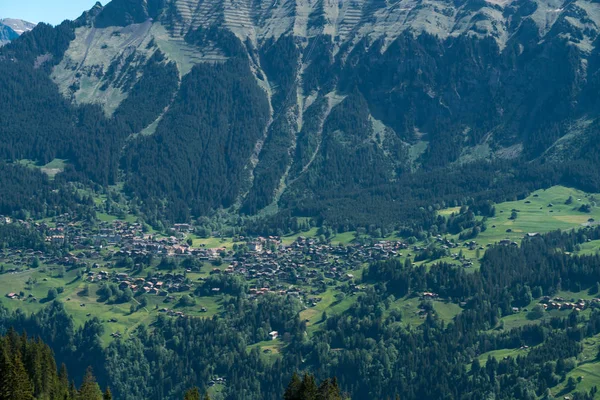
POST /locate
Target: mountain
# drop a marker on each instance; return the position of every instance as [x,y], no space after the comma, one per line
[10,29]
[331,109]
[6,34]
[17,25]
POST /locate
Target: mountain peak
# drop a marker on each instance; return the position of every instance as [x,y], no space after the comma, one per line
[18,25]
[10,29]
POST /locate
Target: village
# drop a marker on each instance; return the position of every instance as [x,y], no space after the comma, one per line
[120,253]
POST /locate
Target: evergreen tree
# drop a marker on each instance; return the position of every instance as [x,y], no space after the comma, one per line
[73,393]
[308,388]
[20,385]
[329,390]
[5,372]
[192,394]
[293,389]
[89,389]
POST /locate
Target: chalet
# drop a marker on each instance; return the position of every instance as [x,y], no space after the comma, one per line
[274,335]
[182,228]
[256,246]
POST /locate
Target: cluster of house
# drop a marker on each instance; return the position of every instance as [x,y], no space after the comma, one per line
[217,381]
[160,283]
[445,242]
[180,314]
[558,303]
[128,236]
[272,266]
[304,262]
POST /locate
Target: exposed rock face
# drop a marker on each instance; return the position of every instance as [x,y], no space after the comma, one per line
[10,29]
[352,20]
[125,27]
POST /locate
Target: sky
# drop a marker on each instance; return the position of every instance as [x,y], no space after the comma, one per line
[50,11]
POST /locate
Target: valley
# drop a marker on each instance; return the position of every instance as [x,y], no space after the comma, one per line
[125,275]
[402,195]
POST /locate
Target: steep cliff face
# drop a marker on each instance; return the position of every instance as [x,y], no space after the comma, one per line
[350,21]
[335,95]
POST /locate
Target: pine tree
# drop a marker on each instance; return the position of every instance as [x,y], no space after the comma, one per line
[292,392]
[107,395]
[20,385]
[308,389]
[89,388]
[329,390]
[5,371]
[192,394]
[63,382]
[73,393]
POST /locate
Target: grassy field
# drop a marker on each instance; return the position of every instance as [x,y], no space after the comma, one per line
[587,370]
[287,240]
[409,308]
[590,248]
[82,308]
[449,211]
[343,238]
[520,319]
[330,304]
[541,212]
[51,169]
[270,350]
[535,215]
[54,167]
[446,311]
[501,354]
[212,242]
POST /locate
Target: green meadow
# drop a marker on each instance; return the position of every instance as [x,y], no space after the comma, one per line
[116,318]
[543,211]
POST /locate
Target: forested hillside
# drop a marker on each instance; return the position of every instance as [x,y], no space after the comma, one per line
[191,108]
[28,371]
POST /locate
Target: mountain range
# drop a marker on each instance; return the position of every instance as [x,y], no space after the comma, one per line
[10,29]
[259,106]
